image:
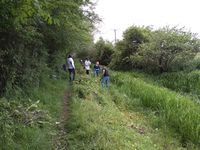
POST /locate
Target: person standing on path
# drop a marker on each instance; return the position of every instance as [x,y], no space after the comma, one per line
[71,68]
[105,78]
[96,69]
[87,65]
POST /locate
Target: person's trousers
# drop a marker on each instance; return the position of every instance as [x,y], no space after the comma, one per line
[71,74]
[96,72]
[105,80]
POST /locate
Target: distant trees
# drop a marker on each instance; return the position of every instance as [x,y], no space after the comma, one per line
[103,51]
[35,34]
[126,51]
[163,50]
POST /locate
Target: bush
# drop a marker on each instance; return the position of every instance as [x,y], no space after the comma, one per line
[156,51]
[104,51]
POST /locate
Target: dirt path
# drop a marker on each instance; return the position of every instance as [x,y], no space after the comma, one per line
[59,139]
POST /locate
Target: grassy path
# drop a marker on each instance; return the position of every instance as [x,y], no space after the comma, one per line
[112,120]
[59,139]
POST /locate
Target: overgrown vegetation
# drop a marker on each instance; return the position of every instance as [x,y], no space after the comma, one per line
[155,51]
[116,118]
[180,113]
[35,37]
[29,123]
[38,34]
[100,51]
[182,81]
[104,51]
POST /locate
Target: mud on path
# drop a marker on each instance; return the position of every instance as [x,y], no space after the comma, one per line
[60,137]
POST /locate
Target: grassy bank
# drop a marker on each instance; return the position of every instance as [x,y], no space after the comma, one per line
[28,123]
[186,83]
[113,119]
[133,114]
[182,81]
[178,112]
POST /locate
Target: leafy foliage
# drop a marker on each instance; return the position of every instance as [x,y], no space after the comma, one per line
[104,51]
[15,117]
[28,122]
[170,49]
[163,50]
[35,34]
[126,53]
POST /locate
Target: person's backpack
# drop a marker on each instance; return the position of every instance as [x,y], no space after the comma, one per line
[64,67]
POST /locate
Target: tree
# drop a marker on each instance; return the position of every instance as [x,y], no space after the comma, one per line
[169,49]
[104,51]
[35,34]
[128,48]
[163,50]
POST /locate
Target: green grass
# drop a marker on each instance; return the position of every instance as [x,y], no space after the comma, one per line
[30,121]
[186,83]
[178,112]
[182,81]
[113,120]
[134,113]
[51,96]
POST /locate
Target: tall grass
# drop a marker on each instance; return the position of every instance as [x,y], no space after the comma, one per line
[180,113]
[103,119]
[187,83]
[182,81]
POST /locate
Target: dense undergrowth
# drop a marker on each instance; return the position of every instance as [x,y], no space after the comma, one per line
[29,122]
[117,119]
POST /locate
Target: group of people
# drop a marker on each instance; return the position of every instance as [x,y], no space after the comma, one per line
[86,64]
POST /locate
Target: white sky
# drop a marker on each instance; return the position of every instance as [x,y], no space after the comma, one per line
[121,14]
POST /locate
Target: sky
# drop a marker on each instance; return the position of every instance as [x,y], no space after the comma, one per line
[121,14]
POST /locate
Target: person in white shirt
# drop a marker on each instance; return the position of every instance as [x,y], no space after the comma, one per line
[71,68]
[87,65]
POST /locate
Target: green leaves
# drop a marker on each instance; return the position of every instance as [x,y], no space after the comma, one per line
[104,51]
[168,46]
[14,114]
[38,33]
[162,50]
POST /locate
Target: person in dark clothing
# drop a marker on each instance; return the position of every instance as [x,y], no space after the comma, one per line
[96,69]
[105,78]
